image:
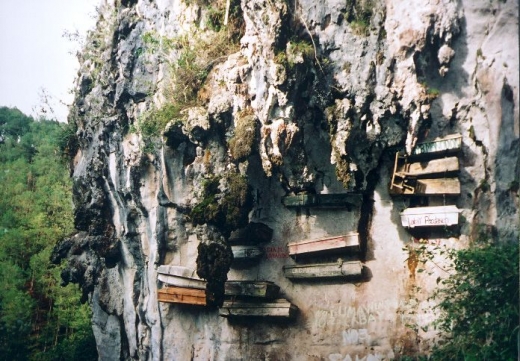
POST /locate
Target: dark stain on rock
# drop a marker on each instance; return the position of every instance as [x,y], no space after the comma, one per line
[213,263]
[253,233]
[412,262]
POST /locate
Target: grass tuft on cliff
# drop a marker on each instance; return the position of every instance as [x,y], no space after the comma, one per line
[190,58]
[241,144]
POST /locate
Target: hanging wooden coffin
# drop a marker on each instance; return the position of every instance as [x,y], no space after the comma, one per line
[430,216]
[423,178]
[328,244]
[324,270]
[450,143]
[279,308]
[189,296]
[246,252]
[180,276]
[338,200]
[426,187]
[260,289]
[426,168]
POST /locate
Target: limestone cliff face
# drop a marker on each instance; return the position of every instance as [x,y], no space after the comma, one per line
[316,97]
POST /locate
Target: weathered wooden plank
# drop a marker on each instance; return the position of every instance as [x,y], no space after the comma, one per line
[324,270]
[448,186]
[177,271]
[336,243]
[261,289]
[430,216]
[337,200]
[449,143]
[180,276]
[182,281]
[434,166]
[440,186]
[276,308]
[246,252]
[397,183]
[182,295]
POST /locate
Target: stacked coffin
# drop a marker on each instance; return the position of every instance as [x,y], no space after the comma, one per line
[323,246]
[255,299]
[430,170]
[336,245]
[181,285]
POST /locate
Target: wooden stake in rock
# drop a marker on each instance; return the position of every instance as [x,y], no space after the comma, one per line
[228,4]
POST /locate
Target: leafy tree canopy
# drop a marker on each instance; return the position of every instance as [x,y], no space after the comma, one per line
[13,123]
[39,319]
[479,304]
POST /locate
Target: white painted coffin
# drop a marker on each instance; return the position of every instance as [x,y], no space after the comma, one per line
[430,216]
[180,277]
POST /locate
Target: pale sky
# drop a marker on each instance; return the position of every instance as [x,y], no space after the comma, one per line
[34,55]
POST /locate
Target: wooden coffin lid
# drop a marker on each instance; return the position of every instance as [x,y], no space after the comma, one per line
[324,270]
[448,143]
[182,295]
[348,236]
[428,210]
[178,271]
[247,251]
[274,308]
[335,200]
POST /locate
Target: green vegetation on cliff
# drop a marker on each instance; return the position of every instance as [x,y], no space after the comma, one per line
[39,319]
[479,304]
[189,59]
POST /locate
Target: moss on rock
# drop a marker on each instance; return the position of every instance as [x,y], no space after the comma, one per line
[241,144]
[226,202]
[343,172]
[213,263]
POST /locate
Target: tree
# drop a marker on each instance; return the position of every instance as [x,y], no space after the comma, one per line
[39,319]
[479,305]
[13,123]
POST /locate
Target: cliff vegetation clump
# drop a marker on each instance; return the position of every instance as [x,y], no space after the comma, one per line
[213,262]
[241,145]
[189,58]
[479,304]
[226,202]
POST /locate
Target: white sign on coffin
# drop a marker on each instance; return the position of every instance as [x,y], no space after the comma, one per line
[430,216]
